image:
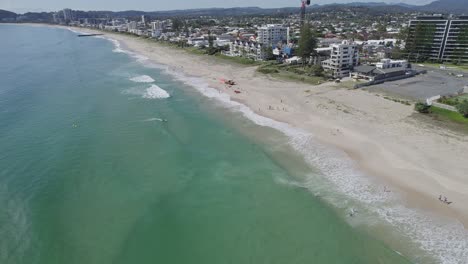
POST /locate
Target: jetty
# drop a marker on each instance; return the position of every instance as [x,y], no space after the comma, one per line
[89,35]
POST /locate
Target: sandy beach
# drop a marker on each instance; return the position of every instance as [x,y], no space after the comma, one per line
[386,139]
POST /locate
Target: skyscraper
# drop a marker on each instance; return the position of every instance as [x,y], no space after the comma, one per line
[437,38]
[67,14]
[456,41]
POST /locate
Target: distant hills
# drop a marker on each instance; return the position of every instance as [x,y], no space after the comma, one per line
[7,15]
[447,6]
[439,6]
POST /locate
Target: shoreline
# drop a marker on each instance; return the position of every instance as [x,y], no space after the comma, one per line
[356,153]
[418,161]
[381,163]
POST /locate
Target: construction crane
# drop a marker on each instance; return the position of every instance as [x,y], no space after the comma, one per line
[305,3]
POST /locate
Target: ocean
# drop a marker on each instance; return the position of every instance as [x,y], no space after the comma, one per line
[106,158]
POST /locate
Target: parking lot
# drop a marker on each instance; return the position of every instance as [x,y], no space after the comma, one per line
[434,82]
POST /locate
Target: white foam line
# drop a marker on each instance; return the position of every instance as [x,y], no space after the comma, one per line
[443,239]
[76,31]
[153,119]
[118,49]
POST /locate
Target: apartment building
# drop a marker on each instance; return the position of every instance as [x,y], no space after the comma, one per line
[247,49]
[343,58]
[456,41]
[273,34]
[132,26]
[438,38]
[426,37]
[67,14]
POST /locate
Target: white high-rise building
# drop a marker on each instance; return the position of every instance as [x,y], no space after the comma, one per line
[273,34]
[158,25]
[132,26]
[55,17]
[343,58]
[67,14]
[157,28]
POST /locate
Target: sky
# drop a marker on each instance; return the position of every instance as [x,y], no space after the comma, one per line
[22,6]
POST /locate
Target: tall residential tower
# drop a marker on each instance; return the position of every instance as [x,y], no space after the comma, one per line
[437,38]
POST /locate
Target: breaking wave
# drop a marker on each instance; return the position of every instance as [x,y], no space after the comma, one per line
[156,92]
[142,79]
[152,92]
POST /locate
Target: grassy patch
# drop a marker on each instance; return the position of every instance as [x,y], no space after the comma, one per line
[349,84]
[454,101]
[239,60]
[291,73]
[195,51]
[314,80]
[448,115]
[267,70]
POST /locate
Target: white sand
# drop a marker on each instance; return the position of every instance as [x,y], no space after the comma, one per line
[415,158]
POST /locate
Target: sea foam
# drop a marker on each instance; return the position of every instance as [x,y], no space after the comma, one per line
[443,239]
[142,79]
[152,92]
[155,92]
[119,49]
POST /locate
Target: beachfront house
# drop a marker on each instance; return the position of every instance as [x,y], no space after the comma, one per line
[386,69]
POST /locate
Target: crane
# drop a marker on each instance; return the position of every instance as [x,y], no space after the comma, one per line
[305,3]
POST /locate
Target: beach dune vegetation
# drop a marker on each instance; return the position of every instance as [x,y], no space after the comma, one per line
[463,108]
[422,108]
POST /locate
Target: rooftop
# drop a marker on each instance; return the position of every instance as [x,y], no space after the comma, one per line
[364,68]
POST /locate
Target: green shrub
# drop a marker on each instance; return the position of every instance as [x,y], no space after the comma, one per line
[317,70]
[422,108]
[448,101]
[463,108]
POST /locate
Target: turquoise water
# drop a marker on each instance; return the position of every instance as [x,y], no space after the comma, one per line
[90,174]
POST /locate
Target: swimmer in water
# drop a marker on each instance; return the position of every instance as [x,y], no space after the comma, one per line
[352,213]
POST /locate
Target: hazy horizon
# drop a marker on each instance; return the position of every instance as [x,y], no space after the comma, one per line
[22,6]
